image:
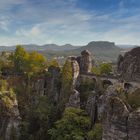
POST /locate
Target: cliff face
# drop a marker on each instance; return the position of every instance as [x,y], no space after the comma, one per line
[85,62]
[129,65]
[75,68]
[9,116]
[134,125]
[74,99]
[48,85]
[52,84]
[114,114]
[119,121]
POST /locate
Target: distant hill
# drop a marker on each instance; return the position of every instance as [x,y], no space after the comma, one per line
[102,50]
[46,47]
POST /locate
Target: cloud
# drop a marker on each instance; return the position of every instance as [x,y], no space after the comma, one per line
[4,23]
[63,21]
[7,4]
[33,32]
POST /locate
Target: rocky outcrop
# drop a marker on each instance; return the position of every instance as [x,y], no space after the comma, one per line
[48,84]
[133,125]
[75,68]
[52,84]
[74,99]
[91,106]
[114,114]
[119,120]
[38,86]
[129,65]
[9,116]
[85,62]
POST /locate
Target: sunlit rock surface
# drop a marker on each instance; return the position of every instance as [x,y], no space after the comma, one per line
[85,61]
[9,116]
[129,65]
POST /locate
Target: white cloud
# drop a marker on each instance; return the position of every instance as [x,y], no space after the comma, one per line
[4,23]
[62,21]
[30,33]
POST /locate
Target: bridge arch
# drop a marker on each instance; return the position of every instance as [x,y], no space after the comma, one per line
[106,82]
[127,85]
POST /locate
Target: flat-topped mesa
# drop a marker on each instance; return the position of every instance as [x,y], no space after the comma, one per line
[129,65]
[85,61]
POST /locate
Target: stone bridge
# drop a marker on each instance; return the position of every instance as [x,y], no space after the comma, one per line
[111,80]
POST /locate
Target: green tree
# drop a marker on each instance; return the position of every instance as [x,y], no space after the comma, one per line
[73,125]
[95,133]
[7,97]
[35,63]
[39,119]
[67,79]
[133,99]
[54,63]
[105,68]
[6,64]
[20,58]
[96,71]
[28,62]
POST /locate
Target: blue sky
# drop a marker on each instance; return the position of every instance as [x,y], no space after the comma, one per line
[69,21]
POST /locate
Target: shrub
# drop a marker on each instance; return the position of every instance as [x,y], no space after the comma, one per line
[133,99]
[73,125]
[95,133]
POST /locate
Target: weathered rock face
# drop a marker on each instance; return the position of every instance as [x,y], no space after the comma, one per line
[91,106]
[9,117]
[119,61]
[114,118]
[74,99]
[85,61]
[118,119]
[129,65]
[134,125]
[48,84]
[38,86]
[75,68]
[52,84]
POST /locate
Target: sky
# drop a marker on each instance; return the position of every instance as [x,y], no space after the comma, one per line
[69,21]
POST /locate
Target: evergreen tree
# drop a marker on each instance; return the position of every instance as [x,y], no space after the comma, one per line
[73,125]
[66,80]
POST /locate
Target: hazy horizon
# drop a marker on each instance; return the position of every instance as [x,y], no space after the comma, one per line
[80,45]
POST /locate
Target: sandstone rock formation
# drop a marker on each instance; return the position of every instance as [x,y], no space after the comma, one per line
[52,84]
[38,86]
[129,65]
[75,68]
[91,106]
[133,125]
[85,62]
[114,114]
[119,121]
[74,99]
[9,116]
